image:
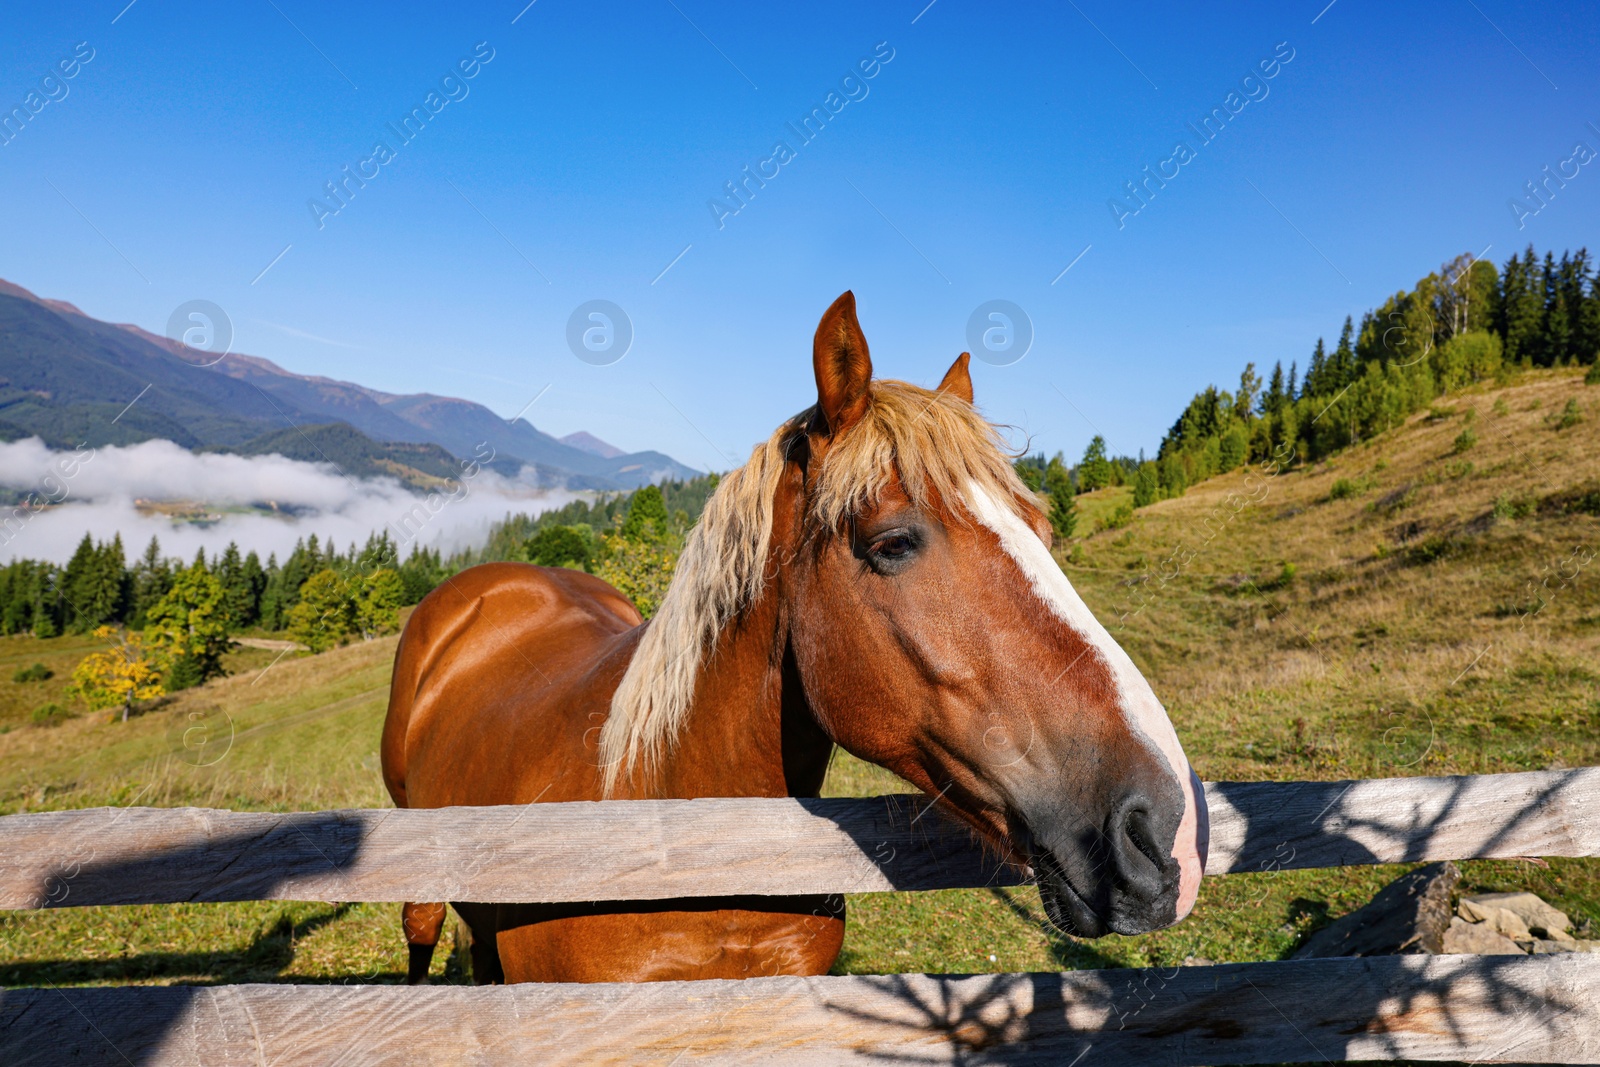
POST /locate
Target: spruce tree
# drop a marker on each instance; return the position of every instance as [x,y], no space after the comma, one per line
[1588,320]
[1555,329]
[103,596]
[647,516]
[1095,470]
[1316,374]
[1343,366]
[238,598]
[1273,400]
[1521,310]
[151,578]
[1063,506]
[75,584]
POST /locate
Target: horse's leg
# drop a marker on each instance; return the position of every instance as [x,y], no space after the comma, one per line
[422,923]
[482,921]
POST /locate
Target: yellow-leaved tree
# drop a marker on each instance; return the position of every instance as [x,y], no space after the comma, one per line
[639,556]
[126,672]
[640,570]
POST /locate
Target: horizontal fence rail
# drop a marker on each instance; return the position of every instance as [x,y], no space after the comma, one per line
[651,850]
[1483,1009]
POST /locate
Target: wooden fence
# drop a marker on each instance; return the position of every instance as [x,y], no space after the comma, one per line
[1510,1009]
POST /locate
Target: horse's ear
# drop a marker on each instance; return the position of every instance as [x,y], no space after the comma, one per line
[957,380]
[843,365]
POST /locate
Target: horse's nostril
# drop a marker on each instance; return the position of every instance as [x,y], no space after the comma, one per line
[1137,827]
[1144,869]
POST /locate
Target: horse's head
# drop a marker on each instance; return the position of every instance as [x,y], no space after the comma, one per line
[934,635]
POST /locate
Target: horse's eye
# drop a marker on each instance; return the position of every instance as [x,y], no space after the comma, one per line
[894,547]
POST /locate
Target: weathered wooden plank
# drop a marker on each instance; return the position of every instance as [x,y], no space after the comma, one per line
[1259,826]
[643,850]
[1484,1009]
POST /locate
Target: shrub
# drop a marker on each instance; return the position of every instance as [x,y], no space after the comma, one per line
[1120,517]
[1501,407]
[1593,377]
[1520,506]
[1582,499]
[36,673]
[1464,440]
[1346,487]
[1434,548]
[1571,415]
[48,715]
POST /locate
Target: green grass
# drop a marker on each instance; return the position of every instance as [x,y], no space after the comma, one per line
[1307,635]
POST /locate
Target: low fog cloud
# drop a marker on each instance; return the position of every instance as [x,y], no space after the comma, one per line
[96,490]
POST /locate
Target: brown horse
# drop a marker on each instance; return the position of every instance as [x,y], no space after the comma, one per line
[877,577]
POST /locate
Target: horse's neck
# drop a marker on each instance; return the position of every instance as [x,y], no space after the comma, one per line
[749,731]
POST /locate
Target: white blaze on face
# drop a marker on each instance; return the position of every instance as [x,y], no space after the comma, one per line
[1145,716]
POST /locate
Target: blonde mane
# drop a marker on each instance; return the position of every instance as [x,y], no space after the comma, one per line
[935,442]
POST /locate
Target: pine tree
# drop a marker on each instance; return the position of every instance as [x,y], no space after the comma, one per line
[1063,506]
[238,598]
[1291,392]
[1273,400]
[647,516]
[1588,323]
[1147,480]
[255,581]
[150,580]
[1095,470]
[1521,311]
[104,596]
[1316,385]
[1555,333]
[75,582]
[1342,368]
[273,604]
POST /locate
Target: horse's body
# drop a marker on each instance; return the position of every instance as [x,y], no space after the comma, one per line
[875,576]
[529,657]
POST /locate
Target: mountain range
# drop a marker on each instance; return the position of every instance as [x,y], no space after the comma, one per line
[69,379]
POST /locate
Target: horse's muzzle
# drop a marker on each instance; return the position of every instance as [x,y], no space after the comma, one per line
[1118,877]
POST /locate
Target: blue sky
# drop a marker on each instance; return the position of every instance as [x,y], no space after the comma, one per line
[976,164]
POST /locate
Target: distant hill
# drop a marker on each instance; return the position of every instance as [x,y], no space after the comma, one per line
[69,378]
[420,466]
[588,442]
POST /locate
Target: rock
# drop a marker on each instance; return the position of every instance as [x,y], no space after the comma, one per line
[1541,947]
[1198,961]
[1538,916]
[1409,915]
[1477,939]
[1501,920]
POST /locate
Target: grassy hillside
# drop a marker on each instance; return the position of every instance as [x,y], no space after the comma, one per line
[1371,616]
